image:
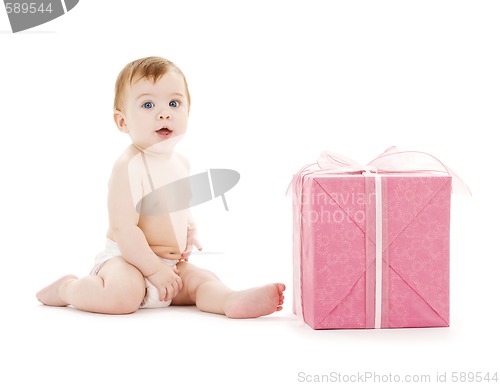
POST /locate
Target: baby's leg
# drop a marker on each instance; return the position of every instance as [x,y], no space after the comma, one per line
[204,289]
[118,288]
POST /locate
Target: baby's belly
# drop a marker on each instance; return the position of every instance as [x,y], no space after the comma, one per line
[167,231]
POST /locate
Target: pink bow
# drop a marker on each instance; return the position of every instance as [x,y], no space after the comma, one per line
[390,161]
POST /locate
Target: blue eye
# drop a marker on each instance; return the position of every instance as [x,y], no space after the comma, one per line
[173,104]
[148,105]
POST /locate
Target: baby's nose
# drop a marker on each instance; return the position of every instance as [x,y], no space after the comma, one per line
[164,115]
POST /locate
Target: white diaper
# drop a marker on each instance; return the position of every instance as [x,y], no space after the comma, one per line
[152,296]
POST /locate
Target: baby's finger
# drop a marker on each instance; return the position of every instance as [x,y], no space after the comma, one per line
[170,293]
[162,292]
[180,284]
[175,290]
[187,251]
[197,244]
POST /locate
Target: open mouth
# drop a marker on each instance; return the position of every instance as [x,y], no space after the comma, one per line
[164,132]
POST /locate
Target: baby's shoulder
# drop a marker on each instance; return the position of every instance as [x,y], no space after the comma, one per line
[129,162]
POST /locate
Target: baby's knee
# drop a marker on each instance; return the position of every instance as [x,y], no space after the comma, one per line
[124,286]
[127,298]
[199,277]
[208,275]
[127,303]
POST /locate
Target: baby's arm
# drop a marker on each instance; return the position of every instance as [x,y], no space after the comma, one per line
[132,242]
[192,238]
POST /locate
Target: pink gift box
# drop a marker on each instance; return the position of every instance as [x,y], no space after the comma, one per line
[371,250]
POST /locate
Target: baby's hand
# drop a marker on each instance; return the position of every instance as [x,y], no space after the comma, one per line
[167,281]
[192,239]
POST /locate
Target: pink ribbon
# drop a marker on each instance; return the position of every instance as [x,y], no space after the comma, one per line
[390,161]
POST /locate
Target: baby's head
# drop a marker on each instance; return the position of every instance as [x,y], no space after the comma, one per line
[152,103]
[150,68]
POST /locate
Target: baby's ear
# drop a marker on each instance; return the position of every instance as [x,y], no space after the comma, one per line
[120,121]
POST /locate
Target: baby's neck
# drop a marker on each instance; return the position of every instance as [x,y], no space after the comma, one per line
[158,154]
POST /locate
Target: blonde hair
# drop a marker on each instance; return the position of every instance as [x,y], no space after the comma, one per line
[151,68]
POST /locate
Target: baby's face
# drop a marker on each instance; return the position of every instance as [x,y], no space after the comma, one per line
[155,115]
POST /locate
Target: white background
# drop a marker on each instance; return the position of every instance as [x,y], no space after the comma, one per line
[273,83]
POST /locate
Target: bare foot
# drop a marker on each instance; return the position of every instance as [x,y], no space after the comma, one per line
[255,302]
[50,294]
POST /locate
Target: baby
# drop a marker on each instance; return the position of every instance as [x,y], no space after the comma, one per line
[145,261]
